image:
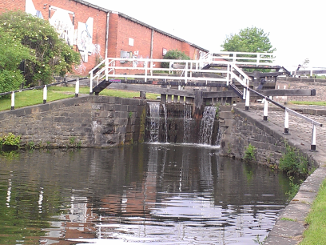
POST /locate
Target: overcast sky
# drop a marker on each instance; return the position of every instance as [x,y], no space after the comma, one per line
[296,28]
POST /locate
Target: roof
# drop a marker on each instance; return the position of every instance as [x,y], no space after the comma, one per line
[140,23]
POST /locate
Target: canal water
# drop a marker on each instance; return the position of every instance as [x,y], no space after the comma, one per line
[142,194]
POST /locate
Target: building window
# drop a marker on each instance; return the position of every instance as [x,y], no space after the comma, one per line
[131,42]
[164,51]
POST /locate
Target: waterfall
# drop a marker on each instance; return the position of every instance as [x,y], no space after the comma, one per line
[218,137]
[154,117]
[186,123]
[165,122]
[206,125]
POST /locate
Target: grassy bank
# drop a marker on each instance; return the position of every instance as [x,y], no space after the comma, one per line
[317,103]
[316,232]
[34,97]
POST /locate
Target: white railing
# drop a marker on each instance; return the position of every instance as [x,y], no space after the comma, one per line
[147,69]
[245,58]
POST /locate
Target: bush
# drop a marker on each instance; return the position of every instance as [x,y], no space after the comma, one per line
[174,55]
[49,54]
[292,162]
[250,153]
[12,52]
[10,140]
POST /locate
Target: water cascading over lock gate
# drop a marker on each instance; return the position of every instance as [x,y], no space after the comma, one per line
[174,123]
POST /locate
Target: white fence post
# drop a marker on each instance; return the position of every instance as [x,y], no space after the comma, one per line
[186,72]
[77,88]
[286,122]
[313,140]
[91,83]
[145,64]
[106,69]
[45,94]
[12,100]
[247,99]
[265,109]
[228,75]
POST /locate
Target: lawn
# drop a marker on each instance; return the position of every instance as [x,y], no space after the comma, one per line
[34,97]
[318,103]
[316,232]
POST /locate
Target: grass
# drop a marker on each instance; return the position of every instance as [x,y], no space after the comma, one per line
[318,103]
[34,97]
[316,232]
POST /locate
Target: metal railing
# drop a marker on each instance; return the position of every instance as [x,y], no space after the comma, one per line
[245,58]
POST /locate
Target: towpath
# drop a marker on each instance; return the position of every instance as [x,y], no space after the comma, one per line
[291,224]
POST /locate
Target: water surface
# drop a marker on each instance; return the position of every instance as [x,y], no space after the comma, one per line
[145,194]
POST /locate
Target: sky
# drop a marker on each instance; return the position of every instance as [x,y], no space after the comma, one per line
[296,28]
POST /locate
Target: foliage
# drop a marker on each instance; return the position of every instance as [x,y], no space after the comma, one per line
[10,139]
[292,162]
[294,188]
[174,54]
[12,52]
[49,54]
[316,231]
[250,153]
[252,39]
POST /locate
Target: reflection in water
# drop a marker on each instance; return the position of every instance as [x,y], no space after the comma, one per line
[151,193]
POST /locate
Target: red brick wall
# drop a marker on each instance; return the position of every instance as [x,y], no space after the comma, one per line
[6,5]
[120,30]
[82,13]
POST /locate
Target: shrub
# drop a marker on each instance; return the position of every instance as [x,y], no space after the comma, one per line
[49,54]
[12,52]
[10,140]
[250,153]
[292,162]
[174,55]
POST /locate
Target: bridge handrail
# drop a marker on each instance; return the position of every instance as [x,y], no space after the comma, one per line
[236,57]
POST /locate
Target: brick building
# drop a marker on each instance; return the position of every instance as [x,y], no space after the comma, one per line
[96,32]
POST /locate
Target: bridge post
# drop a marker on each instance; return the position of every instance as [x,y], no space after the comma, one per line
[169,98]
[12,100]
[163,98]
[199,100]
[142,95]
[182,99]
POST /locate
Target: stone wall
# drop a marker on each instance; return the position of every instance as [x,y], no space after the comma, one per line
[240,128]
[89,121]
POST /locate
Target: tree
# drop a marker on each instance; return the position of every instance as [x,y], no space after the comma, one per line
[12,52]
[174,54]
[252,39]
[50,54]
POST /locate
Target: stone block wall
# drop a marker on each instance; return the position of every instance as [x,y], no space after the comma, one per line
[240,128]
[89,121]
